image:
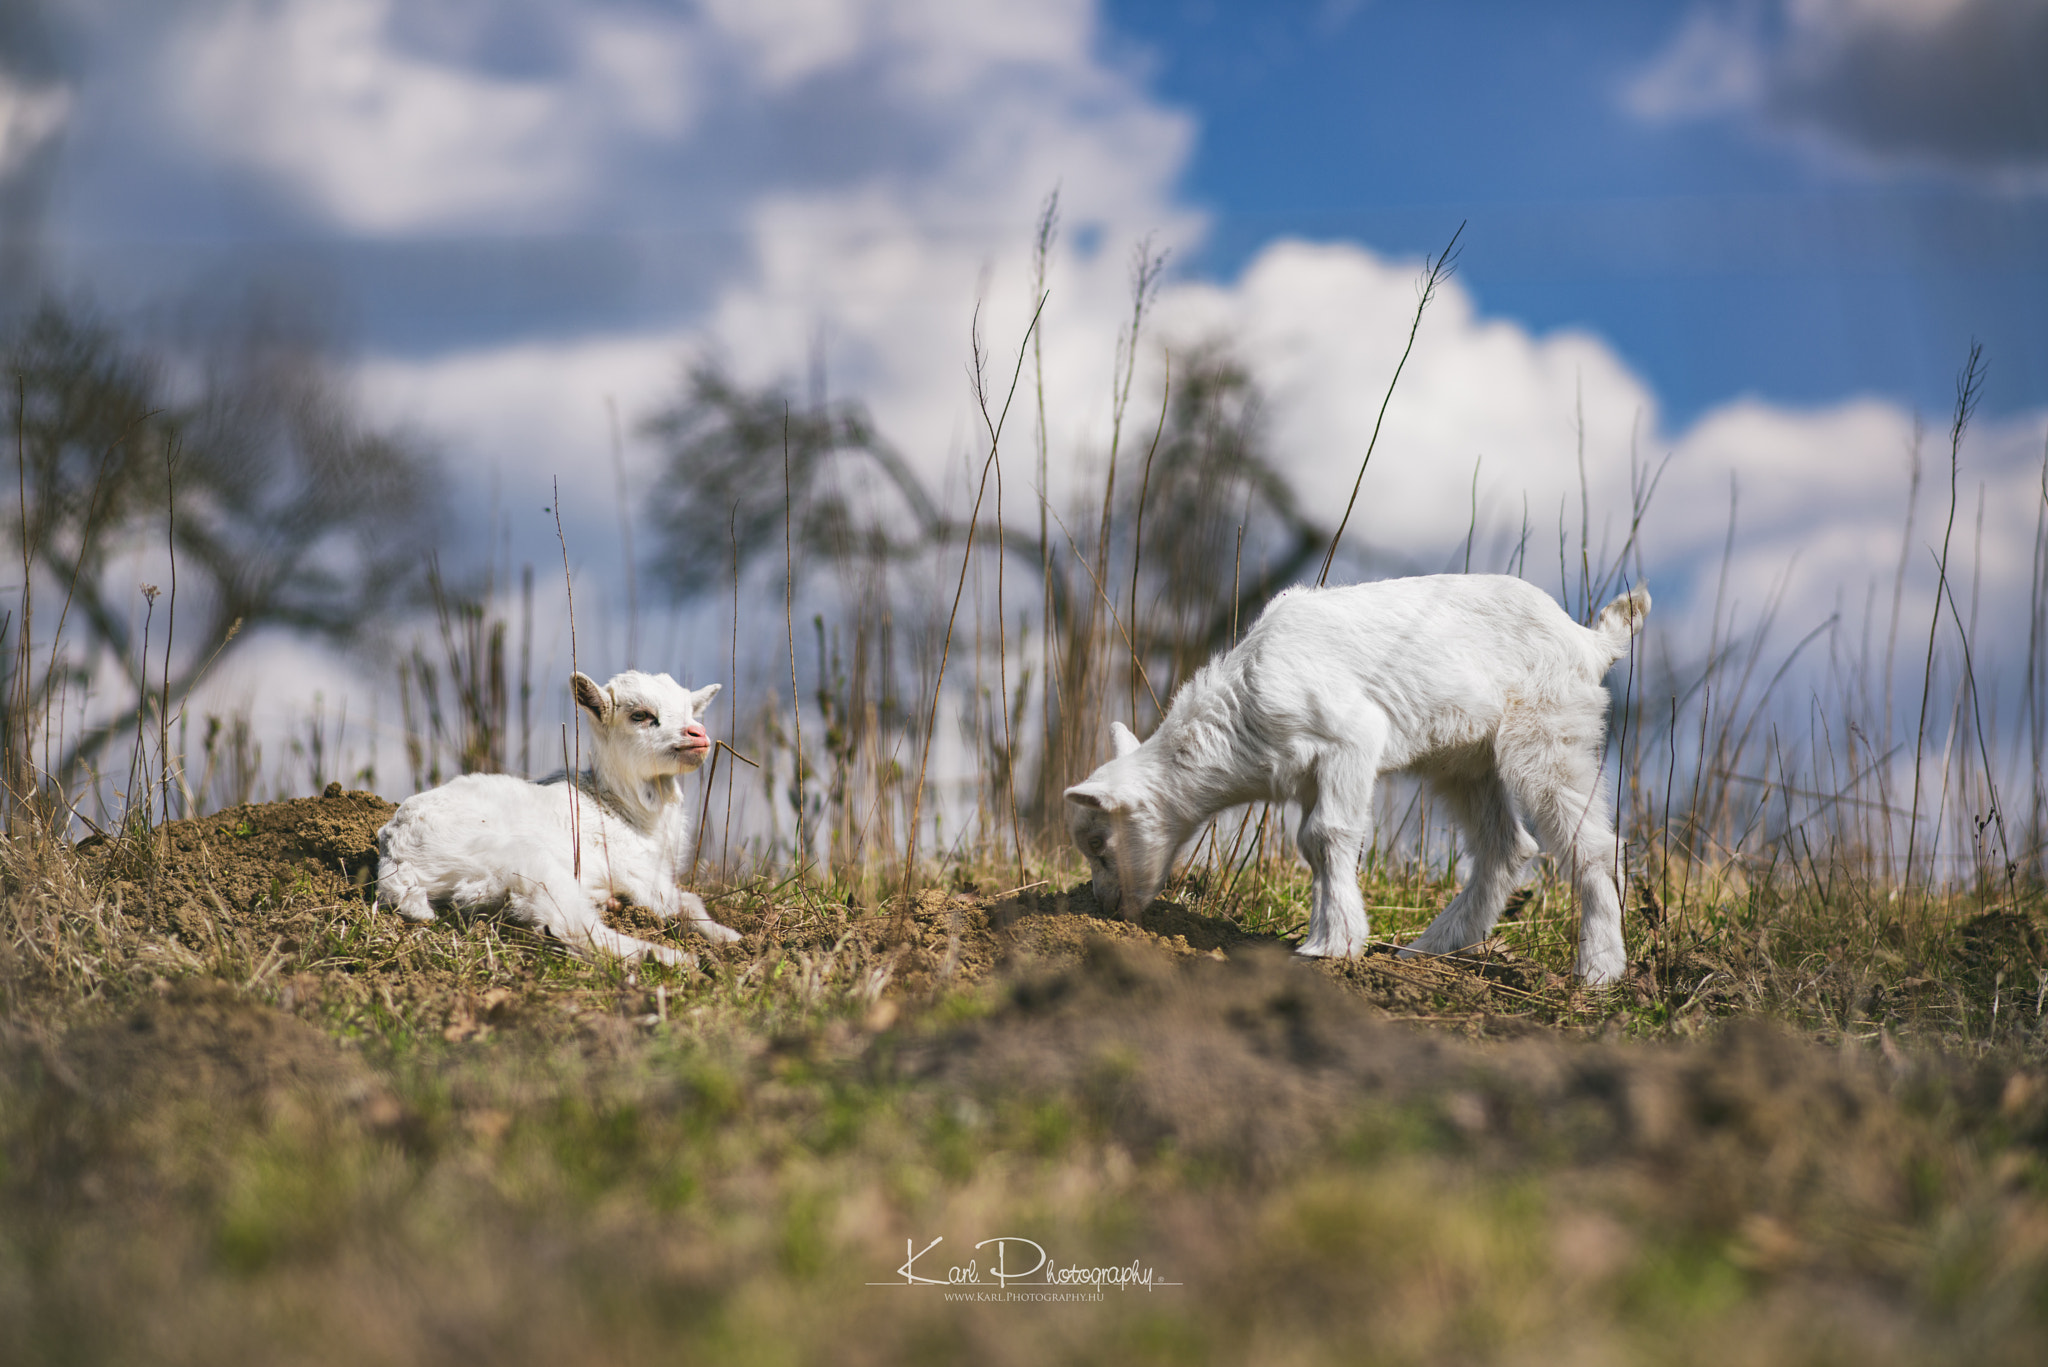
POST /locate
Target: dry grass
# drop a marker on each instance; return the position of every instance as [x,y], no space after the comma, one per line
[246,1117]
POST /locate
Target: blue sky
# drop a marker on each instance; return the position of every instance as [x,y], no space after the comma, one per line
[1750,237]
[1719,255]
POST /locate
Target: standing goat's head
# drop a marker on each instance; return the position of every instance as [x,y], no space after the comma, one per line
[1119,828]
[645,724]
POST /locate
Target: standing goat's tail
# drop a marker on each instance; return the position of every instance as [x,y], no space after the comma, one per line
[1621,619]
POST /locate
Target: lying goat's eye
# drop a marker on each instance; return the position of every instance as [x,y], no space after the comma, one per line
[642,717]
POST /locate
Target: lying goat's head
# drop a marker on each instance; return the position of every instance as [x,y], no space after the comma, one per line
[646,724]
[1121,831]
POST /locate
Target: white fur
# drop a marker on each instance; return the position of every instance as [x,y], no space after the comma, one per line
[490,840]
[1479,684]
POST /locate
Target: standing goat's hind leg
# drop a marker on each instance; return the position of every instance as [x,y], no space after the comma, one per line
[1557,781]
[1500,850]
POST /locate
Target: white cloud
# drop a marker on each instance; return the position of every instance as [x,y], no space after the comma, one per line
[883,270]
[1712,66]
[323,98]
[376,118]
[1323,326]
[1820,494]
[791,39]
[520,416]
[940,46]
[30,115]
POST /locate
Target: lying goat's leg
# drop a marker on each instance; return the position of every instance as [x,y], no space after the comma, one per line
[604,939]
[666,900]
[561,906]
[692,908]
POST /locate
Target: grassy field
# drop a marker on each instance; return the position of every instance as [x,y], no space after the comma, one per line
[245,1117]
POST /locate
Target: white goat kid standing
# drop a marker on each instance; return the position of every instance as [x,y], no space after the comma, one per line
[1479,684]
[488,840]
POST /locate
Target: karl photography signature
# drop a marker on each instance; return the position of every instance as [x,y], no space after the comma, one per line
[1012,1268]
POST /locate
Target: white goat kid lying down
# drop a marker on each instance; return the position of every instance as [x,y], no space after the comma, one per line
[1479,684]
[490,840]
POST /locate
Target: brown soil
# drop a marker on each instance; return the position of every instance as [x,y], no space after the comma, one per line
[276,867]
[116,1093]
[1252,1062]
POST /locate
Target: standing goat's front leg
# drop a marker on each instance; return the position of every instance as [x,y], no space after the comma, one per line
[1336,827]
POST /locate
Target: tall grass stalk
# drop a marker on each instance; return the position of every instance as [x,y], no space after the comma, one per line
[1435,271]
[995,439]
[572,757]
[1969,386]
[1042,241]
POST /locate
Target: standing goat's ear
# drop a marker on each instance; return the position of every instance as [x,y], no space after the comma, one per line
[1093,795]
[590,697]
[701,699]
[1122,738]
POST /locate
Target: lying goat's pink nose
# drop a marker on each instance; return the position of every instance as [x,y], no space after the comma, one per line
[696,737]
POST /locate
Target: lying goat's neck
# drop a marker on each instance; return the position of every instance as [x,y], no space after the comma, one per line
[642,801]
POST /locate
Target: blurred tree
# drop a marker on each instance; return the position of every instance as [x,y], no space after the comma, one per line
[254,495]
[1176,578]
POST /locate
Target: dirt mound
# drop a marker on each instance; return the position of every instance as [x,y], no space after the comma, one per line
[207,1042]
[129,1109]
[1245,1062]
[270,862]
[266,865]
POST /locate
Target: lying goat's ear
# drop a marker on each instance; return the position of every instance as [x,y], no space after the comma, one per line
[1122,738]
[701,699]
[1091,795]
[590,697]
